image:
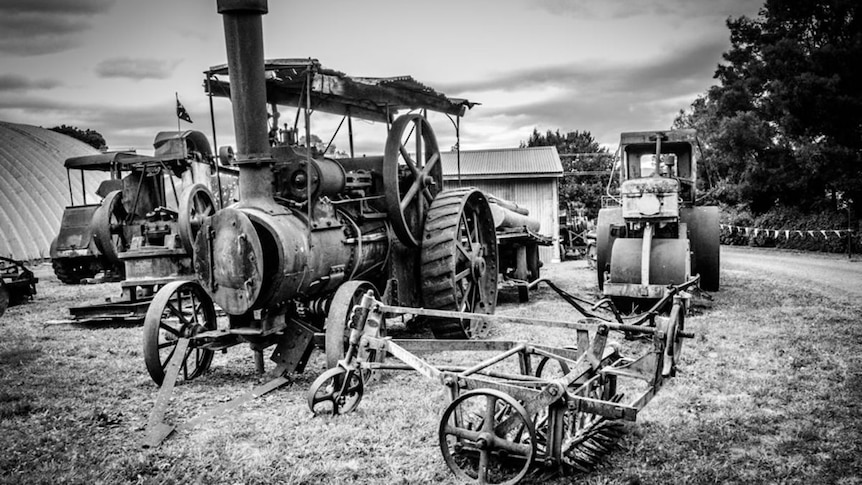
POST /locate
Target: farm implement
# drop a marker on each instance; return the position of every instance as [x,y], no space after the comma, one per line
[17,283]
[531,408]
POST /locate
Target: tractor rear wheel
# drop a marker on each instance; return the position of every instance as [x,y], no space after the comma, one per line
[459,261]
[72,271]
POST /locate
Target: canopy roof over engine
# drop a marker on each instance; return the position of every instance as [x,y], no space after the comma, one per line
[370,98]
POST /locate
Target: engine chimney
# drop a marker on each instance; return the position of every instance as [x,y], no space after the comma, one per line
[243,32]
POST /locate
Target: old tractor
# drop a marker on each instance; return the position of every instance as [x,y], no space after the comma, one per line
[74,254]
[658,235]
[142,227]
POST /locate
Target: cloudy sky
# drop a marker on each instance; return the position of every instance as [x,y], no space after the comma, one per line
[604,66]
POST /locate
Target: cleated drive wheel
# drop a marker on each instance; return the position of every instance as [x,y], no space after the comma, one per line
[412,176]
[108,230]
[459,262]
[180,309]
[336,391]
[196,204]
[474,445]
[338,328]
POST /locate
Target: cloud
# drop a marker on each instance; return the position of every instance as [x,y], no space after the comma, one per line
[13,82]
[622,9]
[35,27]
[123,126]
[136,69]
[600,97]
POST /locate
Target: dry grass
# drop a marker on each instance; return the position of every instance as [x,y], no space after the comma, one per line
[769,392]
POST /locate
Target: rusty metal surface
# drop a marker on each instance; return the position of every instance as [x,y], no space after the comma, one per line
[334,92]
[229,260]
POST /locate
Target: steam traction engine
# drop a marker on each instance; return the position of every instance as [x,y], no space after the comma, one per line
[311,235]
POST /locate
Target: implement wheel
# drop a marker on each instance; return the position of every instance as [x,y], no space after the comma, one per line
[338,326]
[336,391]
[181,309]
[474,445]
[411,180]
[459,262]
[674,327]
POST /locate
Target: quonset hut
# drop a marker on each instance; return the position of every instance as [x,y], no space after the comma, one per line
[34,187]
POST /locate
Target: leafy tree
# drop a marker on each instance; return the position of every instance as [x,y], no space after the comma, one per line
[586,189]
[90,137]
[784,126]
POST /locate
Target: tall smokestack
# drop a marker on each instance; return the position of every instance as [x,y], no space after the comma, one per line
[243,33]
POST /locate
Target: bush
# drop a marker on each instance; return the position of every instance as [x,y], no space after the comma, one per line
[787,219]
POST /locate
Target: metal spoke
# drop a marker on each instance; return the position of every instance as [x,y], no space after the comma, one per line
[409,162]
[168,359]
[462,251]
[169,328]
[483,465]
[411,193]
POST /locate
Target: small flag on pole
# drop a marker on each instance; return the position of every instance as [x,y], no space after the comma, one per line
[182,113]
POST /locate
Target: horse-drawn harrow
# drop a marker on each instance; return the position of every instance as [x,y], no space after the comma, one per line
[529,408]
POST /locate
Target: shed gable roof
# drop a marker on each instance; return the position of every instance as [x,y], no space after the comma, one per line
[533,162]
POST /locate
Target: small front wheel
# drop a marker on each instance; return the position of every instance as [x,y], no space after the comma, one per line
[336,391]
[181,309]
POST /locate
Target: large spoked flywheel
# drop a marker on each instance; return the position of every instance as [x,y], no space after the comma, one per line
[196,204]
[412,175]
[108,230]
[459,261]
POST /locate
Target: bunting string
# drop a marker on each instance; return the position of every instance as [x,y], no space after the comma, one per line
[826,233]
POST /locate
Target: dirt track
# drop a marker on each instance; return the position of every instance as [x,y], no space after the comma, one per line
[830,272]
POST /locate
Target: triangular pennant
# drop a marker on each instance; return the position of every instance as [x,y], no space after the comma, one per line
[787,235]
[824,234]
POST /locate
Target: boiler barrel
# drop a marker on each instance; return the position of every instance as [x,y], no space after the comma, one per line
[249,258]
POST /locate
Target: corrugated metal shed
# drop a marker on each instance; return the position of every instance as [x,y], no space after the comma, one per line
[504,163]
[528,176]
[34,189]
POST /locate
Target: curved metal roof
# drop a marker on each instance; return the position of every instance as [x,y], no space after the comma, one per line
[34,188]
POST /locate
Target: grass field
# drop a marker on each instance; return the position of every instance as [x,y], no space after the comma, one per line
[769,391]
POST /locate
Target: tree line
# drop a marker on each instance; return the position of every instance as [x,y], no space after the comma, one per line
[782,127]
